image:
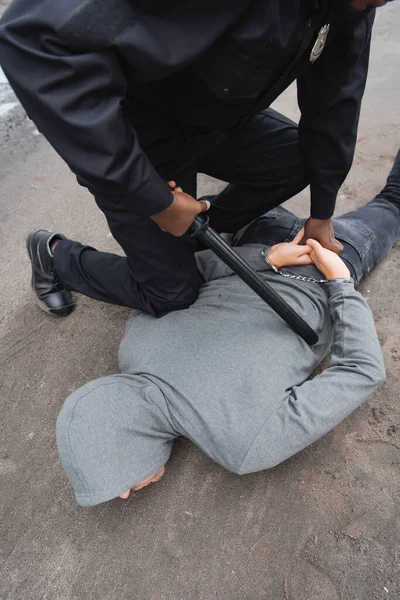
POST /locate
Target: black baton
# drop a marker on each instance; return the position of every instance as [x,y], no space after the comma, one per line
[200,228]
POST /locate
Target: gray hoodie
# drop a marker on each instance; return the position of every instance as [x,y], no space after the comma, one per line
[228,374]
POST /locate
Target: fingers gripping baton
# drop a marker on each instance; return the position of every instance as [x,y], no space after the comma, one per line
[200,228]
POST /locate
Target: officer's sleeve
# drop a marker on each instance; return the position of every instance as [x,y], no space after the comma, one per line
[329,96]
[75,101]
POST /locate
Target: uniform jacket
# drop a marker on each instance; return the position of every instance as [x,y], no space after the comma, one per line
[90,73]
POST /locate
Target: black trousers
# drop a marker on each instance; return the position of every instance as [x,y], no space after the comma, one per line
[261,162]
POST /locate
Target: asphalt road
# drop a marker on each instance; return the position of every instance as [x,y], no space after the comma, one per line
[324,525]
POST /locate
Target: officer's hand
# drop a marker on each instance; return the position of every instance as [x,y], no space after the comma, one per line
[178,217]
[328,262]
[322,231]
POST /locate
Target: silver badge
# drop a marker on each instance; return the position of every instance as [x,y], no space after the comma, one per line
[320,43]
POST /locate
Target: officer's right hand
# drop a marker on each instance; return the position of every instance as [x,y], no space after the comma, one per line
[178,217]
[322,231]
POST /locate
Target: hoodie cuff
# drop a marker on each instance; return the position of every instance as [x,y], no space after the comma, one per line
[340,286]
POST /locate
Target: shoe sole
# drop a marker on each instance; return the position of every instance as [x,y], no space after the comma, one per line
[51,311]
[41,304]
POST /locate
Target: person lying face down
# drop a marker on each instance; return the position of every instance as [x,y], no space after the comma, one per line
[228,373]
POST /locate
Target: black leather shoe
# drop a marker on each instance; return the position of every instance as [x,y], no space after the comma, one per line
[50,294]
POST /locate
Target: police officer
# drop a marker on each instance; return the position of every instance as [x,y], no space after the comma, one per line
[138,96]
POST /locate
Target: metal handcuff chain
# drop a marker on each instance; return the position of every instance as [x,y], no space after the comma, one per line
[264,254]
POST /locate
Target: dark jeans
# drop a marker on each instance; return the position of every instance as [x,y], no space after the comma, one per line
[260,160]
[367,234]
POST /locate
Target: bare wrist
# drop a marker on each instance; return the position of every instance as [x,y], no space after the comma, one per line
[272,263]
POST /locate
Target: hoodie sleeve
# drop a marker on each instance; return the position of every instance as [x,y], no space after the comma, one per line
[312,409]
[75,99]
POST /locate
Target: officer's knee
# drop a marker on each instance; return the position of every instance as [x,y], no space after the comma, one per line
[178,300]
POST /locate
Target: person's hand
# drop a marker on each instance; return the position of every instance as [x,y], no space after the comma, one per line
[322,231]
[328,262]
[178,217]
[290,253]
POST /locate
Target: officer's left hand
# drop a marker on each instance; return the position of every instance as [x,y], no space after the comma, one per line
[322,231]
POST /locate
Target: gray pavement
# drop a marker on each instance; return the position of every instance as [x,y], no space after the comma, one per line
[323,526]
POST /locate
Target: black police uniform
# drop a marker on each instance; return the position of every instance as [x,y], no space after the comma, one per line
[132,93]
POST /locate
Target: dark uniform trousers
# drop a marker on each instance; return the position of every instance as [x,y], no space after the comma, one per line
[261,162]
[149,68]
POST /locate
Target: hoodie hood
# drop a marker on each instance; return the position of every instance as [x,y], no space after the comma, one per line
[112,434]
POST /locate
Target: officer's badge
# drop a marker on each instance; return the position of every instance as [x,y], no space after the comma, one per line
[320,43]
